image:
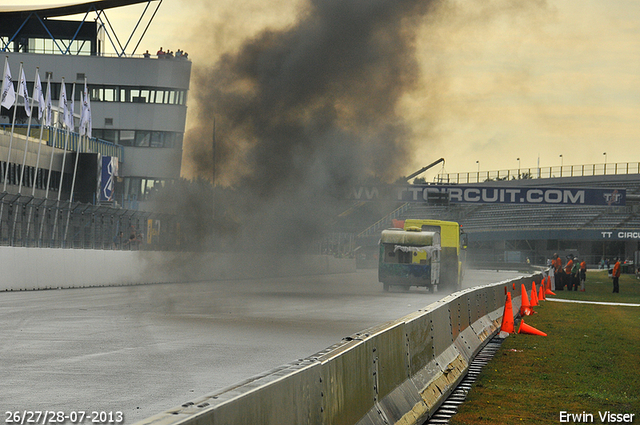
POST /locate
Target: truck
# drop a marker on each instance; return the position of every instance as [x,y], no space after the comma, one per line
[423,253]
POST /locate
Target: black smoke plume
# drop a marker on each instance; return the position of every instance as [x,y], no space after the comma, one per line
[305,113]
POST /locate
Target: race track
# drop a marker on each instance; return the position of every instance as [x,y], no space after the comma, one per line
[144,349]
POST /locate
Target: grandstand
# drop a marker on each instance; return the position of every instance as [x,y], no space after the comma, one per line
[510,233]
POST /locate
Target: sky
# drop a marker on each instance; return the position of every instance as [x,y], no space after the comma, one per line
[499,79]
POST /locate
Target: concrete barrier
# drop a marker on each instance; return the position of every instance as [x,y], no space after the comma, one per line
[399,372]
[45,268]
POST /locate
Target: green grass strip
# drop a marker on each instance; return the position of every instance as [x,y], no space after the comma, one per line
[588,364]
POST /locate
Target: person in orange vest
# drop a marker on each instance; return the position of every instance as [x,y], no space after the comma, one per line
[567,274]
[616,276]
[583,274]
[557,272]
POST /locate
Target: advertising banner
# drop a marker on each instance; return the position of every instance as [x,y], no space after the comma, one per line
[108,175]
[495,194]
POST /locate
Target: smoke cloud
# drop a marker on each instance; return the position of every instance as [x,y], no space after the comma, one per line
[303,113]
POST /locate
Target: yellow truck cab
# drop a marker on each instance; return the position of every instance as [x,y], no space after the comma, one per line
[425,253]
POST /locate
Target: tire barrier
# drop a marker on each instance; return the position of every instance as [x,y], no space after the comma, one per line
[396,373]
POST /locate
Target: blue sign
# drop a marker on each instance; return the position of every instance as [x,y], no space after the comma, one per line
[107,181]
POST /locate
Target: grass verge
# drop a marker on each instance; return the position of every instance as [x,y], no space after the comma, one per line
[589,362]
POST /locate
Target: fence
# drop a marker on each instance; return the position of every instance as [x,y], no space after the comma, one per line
[541,173]
[33,222]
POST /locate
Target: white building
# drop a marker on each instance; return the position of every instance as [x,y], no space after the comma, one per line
[138,103]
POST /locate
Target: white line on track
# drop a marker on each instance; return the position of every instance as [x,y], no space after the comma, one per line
[593,302]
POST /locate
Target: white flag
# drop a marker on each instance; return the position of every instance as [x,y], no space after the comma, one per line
[63,107]
[8,92]
[82,124]
[48,106]
[71,106]
[38,95]
[85,114]
[88,114]
[22,91]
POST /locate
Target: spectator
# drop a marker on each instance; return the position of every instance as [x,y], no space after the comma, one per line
[558,273]
[567,274]
[161,54]
[575,274]
[146,55]
[616,276]
[583,274]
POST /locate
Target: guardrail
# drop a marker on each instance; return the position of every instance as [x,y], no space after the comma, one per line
[398,372]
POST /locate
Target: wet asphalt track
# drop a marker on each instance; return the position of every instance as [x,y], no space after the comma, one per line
[144,349]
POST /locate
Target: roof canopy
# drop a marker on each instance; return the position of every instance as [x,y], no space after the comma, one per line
[67,9]
[19,24]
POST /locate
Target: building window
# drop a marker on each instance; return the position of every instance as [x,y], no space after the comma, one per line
[127,137]
[143,138]
[104,93]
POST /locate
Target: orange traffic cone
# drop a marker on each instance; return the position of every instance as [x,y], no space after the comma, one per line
[549,291]
[526,329]
[541,296]
[507,317]
[534,295]
[525,307]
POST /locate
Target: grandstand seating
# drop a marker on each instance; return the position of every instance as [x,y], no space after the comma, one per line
[506,217]
[518,217]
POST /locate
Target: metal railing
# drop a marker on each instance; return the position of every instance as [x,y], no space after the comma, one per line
[541,173]
[56,137]
[384,222]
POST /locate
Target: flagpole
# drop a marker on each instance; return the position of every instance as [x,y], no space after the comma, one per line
[22,85]
[7,86]
[26,145]
[43,120]
[13,125]
[64,158]
[65,111]
[75,169]
[53,147]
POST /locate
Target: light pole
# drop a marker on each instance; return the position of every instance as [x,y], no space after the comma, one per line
[478,162]
[561,162]
[605,158]
[518,167]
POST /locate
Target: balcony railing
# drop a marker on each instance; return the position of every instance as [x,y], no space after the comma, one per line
[56,138]
[541,173]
